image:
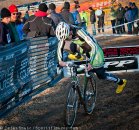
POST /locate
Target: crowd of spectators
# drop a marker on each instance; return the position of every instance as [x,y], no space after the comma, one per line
[122,15]
[14,27]
[9,26]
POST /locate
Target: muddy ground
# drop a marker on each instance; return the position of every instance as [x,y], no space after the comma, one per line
[112,111]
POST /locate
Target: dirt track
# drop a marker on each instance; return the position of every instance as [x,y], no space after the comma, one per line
[112,112]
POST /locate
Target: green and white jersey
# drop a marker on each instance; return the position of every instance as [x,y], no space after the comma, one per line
[96,52]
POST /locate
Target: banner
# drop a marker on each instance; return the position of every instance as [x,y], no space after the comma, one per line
[26,68]
[123,58]
[14,70]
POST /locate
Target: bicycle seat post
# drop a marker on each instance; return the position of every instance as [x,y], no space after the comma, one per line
[86,71]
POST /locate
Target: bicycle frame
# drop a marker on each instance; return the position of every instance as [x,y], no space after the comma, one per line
[75,82]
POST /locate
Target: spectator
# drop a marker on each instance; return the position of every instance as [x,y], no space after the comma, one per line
[135,11]
[101,21]
[126,9]
[76,15]
[39,24]
[26,17]
[19,26]
[130,5]
[77,19]
[135,17]
[84,19]
[66,14]
[5,37]
[93,20]
[120,12]
[113,19]
[12,25]
[53,15]
[129,18]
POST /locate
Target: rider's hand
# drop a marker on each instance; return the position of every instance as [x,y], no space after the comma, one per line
[89,67]
[62,63]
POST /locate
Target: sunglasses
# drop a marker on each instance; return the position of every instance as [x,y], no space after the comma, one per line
[14,13]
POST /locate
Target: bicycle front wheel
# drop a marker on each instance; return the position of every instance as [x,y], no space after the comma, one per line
[71,106]
[90,94]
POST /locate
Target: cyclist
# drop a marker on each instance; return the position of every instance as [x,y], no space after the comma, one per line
[83,43]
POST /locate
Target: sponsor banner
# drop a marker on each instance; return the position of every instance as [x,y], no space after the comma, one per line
[14,70]
[122,63]
[124,58]
[27,67]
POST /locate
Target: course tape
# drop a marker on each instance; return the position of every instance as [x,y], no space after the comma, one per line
[110,27]
[116,35]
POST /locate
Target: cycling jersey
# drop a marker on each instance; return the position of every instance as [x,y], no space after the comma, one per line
[87,45]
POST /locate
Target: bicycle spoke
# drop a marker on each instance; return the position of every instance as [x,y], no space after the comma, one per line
[71,107]
[90,95]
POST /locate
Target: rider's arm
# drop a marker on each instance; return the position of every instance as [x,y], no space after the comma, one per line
[60,51]
[60,54]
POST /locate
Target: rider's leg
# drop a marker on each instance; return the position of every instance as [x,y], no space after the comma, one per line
[75,55]
[107,76]
[73,49]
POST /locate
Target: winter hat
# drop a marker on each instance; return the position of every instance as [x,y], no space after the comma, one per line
[52,6]
[13,8]
[130,3]
[66,5]
[90,8]
[43,7]
[133,4]
[5,13]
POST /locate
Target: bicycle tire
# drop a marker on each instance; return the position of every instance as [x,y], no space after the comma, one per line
[90,94]
[71,106]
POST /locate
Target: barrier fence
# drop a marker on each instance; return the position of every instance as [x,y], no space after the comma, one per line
[31,67]
[25,68]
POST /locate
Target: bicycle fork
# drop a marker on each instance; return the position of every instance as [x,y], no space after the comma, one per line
[81,97]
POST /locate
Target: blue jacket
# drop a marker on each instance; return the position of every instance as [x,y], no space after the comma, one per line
[135,13]
[19,28]
[129,15]
[75,14]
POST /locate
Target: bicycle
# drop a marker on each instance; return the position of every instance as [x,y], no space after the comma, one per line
[87,96]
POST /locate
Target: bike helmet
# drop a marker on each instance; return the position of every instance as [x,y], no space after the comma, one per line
[62,31]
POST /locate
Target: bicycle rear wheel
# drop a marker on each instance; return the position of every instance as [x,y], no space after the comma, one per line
[71,106]
[90,94]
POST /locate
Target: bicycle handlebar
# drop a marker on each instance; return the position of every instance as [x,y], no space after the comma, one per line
[77,63]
